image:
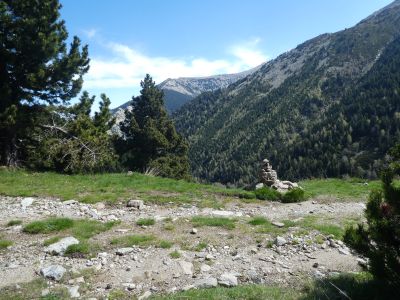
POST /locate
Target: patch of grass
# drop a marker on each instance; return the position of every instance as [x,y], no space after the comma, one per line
[259,221]
[247,195]
[49,225]
[81,229]
[169,227]
[14,223]
[344,189]
[133,240]
[51,240]
[356,286]
[267,193]
[294,195]
[242,292]
[78,250]
[323,225]
[165,244]
[214,222]
[5,243]
[109,188]
[200,246]
[146,222]
[175,254]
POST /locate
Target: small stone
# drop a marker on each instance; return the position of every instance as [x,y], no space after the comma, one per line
[74,291]
[228,280]
[278,224]
[146,295]
[138,204]
[315,265]
[54,272]
[129,286]
[209,257]
[253,250]
[70,202]
[362,262]
[27,202]
[205,268]
[280,241]
[206,283]
[129,173]
[108,286]
[259,185]
[45,292]
[124,251]
[193,231]
[188,287]
[344,251]
[61,246]
[187,267]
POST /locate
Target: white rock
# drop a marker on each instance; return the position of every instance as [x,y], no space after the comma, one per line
[280,241]
[228,280]
[344,251]
[193,231]
[259,185]
[205,268]
[226,213]
[70,202]
[124,251]
[206,283]
[146,295]
[138,204]
[278,224]
[187,267]
[74,291]
[27,202]
[55,272]
[61,246]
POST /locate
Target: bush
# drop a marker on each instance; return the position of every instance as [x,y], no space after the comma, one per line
[266,193]
[145,222]
[295,195]
[379,240]
[49,225]
[247,195]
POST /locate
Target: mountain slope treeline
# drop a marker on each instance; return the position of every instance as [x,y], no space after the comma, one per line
[330,107]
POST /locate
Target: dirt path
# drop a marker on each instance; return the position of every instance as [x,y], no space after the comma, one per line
[244,253]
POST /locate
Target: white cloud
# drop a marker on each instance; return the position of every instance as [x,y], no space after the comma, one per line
[126,66]
[90,33]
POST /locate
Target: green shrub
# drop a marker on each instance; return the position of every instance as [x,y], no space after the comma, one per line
[175,254]
[14,222]
[165,244]
[145,222]
[295,195]
[131,240]
[247,195]
[4,244]
[78,250]
[379,239]
[266,193]
[49,225]
[214,222]
[258,221]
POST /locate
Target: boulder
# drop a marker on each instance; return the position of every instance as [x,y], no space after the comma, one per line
[228,280]
[61,246]
[138,204]
[280,241]
[206,283]
[54,272]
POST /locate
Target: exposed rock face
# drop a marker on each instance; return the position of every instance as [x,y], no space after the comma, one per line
[269,178]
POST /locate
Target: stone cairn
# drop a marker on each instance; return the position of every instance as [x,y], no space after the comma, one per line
[269,178]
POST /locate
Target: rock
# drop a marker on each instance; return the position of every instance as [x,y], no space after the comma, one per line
[27,202]
[74,291]
[54,272]
[209,257]
[70,202]
[362,262]
[129,286]
[187,267]
[205,268]
[226,213]
[280,241]
[253,250]
[344,251]
[45,292]
[124,251]
[259,186]
[269,178]
[206,283]
[129,173]
[228,280]
[193,231]
[188,287]
[255,277]
[138,204]
[146,295]
[61,246]
[278,224]
[100,206]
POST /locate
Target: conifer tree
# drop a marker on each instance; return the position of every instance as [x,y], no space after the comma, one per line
[149,136]
[36,67]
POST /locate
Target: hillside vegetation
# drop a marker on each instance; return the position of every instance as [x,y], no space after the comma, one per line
[328,108]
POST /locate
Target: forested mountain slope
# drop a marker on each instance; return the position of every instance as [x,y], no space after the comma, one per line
[329,107]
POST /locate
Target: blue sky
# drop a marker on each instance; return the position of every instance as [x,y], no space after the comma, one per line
[182,38]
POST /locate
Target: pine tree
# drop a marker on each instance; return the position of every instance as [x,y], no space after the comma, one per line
[380,239]
[149,136]
[35,67]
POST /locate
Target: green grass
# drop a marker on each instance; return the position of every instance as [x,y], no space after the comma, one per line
[79,250]
[175,254]
[339,188]
[259,221]
[106,187]
[200,246]
[226,223]
[243,292]
[133,240]
[5,243]
[14,223]
[51,240]
[165,244]
[267,193]
[49,225]
[81,229]
[146,222]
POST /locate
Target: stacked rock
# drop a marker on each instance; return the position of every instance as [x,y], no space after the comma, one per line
[269,178]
